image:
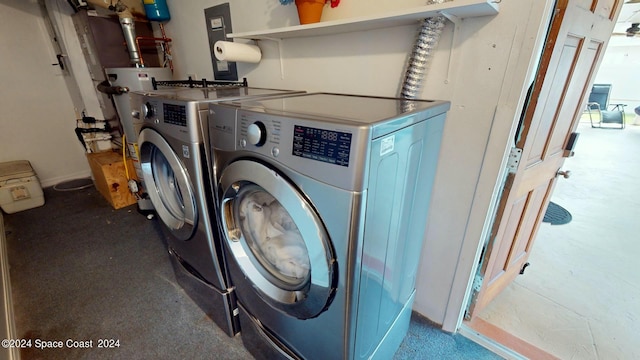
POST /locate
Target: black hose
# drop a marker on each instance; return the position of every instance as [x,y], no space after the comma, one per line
[105,87]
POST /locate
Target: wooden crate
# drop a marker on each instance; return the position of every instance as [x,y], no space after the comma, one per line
[110,177]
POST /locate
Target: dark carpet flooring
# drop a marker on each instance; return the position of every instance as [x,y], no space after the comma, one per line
[85,272]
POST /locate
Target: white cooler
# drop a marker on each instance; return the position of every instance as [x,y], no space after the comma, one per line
[19,187]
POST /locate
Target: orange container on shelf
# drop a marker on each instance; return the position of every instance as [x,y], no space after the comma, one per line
[309,11]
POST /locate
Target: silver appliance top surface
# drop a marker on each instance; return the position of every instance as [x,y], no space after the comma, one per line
[329,137]
[345,109]
[210,93]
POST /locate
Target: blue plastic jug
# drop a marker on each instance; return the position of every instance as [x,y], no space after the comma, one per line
[156,10]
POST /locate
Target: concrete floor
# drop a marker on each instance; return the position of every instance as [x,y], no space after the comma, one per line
[579,298]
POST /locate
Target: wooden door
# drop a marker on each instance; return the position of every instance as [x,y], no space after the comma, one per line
[574,47]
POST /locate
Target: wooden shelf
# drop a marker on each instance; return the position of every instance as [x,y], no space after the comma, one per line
[453,9]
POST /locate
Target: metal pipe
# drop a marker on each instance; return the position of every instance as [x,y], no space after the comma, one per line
[129,30]
[426,42]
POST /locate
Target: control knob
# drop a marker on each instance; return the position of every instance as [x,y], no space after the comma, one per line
[147,110]
[257,133]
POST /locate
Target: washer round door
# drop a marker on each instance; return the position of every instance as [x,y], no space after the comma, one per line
[167,184]
[277,239]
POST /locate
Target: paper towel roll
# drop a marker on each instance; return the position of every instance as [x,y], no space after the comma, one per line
[230,51]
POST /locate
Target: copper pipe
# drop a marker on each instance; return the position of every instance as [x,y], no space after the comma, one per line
[163,40]
[168,49]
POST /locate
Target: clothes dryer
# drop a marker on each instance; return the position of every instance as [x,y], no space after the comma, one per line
[323,200]
[175,161]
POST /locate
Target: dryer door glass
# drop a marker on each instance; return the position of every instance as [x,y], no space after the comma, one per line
[276,238]
[272,237]
[167,184]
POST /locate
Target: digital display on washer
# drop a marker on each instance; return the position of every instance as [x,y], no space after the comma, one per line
[174,114]
[323,145]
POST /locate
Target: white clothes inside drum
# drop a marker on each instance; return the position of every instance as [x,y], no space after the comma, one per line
[275,236]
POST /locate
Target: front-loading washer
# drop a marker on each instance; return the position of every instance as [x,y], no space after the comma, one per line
[323,200]
[175,162]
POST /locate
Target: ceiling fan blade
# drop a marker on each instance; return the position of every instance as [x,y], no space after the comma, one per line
[624,34]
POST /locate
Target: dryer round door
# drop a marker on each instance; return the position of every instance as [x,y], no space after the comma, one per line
[277,239]
[167,184]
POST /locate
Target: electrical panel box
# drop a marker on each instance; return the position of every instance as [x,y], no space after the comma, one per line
[218,22]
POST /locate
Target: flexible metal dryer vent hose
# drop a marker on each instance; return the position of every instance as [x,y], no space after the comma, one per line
[426,42]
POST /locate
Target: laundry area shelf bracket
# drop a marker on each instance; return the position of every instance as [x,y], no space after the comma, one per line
[279,42]
[454,41]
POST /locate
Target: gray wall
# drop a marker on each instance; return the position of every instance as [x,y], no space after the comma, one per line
[38,118]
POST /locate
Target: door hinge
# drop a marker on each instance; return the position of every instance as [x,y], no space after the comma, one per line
[514,160]
[475,290]
[477,283]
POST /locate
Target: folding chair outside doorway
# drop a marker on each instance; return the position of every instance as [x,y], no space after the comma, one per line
[599,104]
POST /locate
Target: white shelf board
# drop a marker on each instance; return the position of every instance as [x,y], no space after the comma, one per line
[457,8]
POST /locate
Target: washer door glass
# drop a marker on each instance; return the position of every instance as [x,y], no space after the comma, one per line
[277,239]
[167,184]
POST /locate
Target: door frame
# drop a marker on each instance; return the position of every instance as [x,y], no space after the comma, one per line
[453,318]
[519,74]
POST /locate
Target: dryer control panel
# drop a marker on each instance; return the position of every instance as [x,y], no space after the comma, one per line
[301,143]
[259,131]
[329,146]
[320,148]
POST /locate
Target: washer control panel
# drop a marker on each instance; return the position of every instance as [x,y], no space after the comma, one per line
[147,110]
[174,114]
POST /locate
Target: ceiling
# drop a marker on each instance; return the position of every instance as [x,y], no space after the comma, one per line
[629,14]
